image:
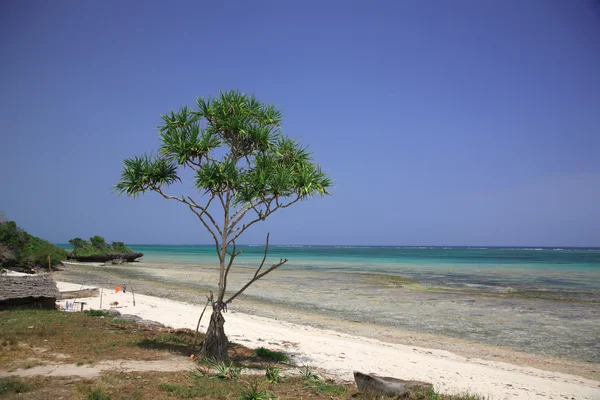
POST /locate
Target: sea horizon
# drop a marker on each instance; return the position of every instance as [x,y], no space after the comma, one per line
[63,245]
[489,268]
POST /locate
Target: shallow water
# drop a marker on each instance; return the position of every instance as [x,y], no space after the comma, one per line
[559,322]
[549,269]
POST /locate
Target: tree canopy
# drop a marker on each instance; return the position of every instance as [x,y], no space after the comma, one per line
[20,250]
[244,168]
[97,246]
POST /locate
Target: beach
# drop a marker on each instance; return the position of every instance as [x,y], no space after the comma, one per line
[393,308]
[337,353]
[342,322]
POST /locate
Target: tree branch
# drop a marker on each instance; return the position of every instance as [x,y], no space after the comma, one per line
[236,217]
[232,255]
[262,217]
[257,274]
[205,211]
[264,256]
[192,207]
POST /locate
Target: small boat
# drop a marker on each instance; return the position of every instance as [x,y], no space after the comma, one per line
[387,385]
[79,294]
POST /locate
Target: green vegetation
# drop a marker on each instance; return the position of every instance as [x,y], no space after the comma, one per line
[253,392]
[96,246]
[273,374]
[11,385]
[20,250]
[87,340]
[97,313]
[97,394]
[315,384]
[224,369]
[271,355]
[244,169]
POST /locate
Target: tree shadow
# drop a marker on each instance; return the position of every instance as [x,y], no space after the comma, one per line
[161,345]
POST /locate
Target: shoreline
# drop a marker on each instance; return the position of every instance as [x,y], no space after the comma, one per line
[533,330]
[341,353]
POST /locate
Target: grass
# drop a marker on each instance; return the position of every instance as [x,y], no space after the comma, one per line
[393,281]
[254,392]
[97,313]
[38,335]
[12,385]
[272,374]
[270,355]
[88,339]
[97,394]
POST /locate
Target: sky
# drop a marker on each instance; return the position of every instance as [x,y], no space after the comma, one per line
[441,123]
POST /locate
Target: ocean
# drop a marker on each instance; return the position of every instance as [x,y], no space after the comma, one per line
[573,269]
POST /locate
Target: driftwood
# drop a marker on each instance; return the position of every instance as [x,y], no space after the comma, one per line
[79,294]
[127,257]
[37,291]
[386,385]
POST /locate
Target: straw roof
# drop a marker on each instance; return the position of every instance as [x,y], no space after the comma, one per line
[23,287]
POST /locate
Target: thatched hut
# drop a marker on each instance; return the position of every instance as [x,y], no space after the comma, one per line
[37,291]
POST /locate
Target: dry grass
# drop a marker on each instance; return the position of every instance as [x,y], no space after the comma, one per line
[53,335]
[29,336]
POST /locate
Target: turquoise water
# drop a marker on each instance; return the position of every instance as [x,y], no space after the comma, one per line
[531,268]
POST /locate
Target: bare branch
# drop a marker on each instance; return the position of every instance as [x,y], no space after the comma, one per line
[261,218]
[193,165]
[258,275]
[237,217]
[192,206]
[205,211]
[207,228]
[169,197]
[232,255]
[264,256]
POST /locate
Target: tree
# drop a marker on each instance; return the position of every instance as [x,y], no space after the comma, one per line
[245,170]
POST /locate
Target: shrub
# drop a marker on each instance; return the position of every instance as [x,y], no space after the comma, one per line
[20,249]
[272,374]
[8,385]
[252,392]
[223,369]
[97,394]
[97,313]
[271,355]
[97,246]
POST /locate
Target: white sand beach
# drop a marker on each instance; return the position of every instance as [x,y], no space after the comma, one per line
[338,354]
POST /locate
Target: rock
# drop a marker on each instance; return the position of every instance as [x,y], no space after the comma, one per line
[106,258]
[388,386]
[130,318]
[114,313]
[150,324]
[139,321]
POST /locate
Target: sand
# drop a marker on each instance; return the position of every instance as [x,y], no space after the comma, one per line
[339,354]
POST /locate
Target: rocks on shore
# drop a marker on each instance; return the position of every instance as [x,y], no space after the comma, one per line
[135,319]
[115,258]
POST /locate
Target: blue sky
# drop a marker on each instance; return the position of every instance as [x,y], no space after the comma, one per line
[441,123]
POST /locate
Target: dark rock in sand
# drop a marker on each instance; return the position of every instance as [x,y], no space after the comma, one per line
[139,321]
[114,313]
[388,386]
[126,257]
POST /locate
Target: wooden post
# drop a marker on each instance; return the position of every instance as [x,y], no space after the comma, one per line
[132,293]
[101,291]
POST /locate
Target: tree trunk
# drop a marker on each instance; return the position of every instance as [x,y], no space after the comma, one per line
[215,343]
